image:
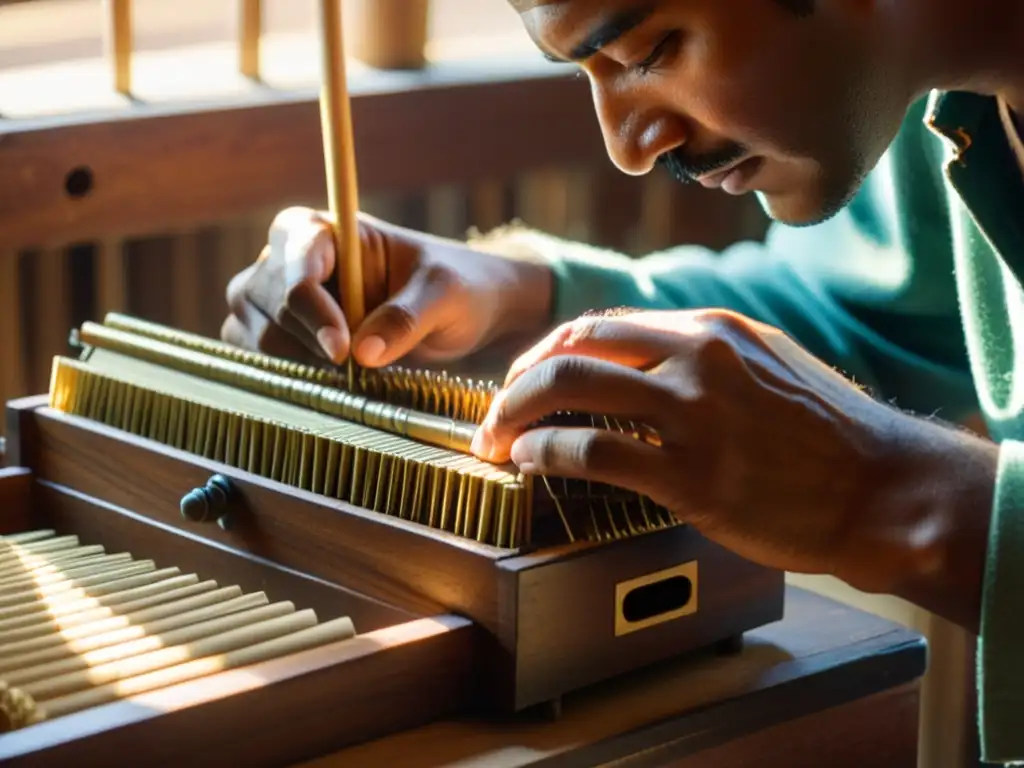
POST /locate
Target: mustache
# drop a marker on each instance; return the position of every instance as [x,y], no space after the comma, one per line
[687,170]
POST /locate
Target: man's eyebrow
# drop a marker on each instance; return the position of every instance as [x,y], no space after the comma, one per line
[606,33]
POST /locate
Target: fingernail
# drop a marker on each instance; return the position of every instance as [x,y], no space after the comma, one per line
[481,445]
[330,342]
[371,349]
[520,455]
[527,468]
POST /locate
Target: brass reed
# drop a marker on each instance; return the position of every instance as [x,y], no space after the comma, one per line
[438,393]
[397,451]
[79,628]
[396,419]
[313,451]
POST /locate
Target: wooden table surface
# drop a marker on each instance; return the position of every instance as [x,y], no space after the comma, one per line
[828,685]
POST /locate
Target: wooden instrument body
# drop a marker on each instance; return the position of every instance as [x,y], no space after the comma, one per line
[404,670]
[553,620]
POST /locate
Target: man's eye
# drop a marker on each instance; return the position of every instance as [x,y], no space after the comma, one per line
[662,49]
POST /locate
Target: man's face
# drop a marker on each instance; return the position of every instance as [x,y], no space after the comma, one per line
[793,99]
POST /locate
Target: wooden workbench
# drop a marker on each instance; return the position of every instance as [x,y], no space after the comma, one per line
[828,685]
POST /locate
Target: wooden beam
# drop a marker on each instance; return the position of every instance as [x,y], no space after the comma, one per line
[150,168]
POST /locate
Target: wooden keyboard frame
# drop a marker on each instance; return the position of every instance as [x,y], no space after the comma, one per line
[548,616]
[402,671]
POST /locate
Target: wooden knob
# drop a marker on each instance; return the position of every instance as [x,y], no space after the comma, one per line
[209,503]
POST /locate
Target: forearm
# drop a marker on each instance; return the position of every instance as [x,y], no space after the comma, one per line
[861,328]
[922,532]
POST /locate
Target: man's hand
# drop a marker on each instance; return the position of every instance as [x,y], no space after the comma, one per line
[429,299]
[760,446]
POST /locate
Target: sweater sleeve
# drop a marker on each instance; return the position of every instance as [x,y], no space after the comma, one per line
[868,326]
[870,291]
[1000,665]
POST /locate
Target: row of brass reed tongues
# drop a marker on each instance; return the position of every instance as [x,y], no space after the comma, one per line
[372,470]
[438,393]
[236,370]
[438,412]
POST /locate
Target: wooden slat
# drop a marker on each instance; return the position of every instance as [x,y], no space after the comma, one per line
[250,31]
[237,250]
[118,15]
[446,211]
[487,205]
[390,34]
[51,316]
[186,275]
[12,366]
[822,657]
[657,214]
[110,282]
[198,165]
[543,200]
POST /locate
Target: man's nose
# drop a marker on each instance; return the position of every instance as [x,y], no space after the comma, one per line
[636,135]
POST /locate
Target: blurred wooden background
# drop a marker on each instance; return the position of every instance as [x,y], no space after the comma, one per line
[150,203]
[178,274]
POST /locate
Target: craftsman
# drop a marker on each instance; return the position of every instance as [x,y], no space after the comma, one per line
[804,389]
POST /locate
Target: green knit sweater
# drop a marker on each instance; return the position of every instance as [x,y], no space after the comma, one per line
[913,291]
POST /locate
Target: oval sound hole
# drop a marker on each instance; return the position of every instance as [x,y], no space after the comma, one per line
[652,600]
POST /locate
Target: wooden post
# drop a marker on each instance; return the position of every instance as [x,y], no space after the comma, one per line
[12,330]
[111,288]
[51,313]
[390,34]
[119,43]
[250,31]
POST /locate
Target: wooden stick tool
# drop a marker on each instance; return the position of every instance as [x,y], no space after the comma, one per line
[340,164]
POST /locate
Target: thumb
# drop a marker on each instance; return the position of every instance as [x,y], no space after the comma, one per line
[394,328]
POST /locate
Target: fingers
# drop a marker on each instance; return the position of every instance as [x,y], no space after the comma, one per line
[309,261]
[287,284]
[598,455]
[266,337]
[312,313]
[575,384]
[635,340]
[248,327]
[396,327]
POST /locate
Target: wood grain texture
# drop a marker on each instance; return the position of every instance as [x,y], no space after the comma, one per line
[272,713]
[822,658]
[15,499]
[12,338]
[794,679]
[400,672]
[138,168]
[391,560]
[20,428]
[878,730]
[549,616]
[565,609]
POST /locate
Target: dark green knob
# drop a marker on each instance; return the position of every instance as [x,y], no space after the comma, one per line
[209,503]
